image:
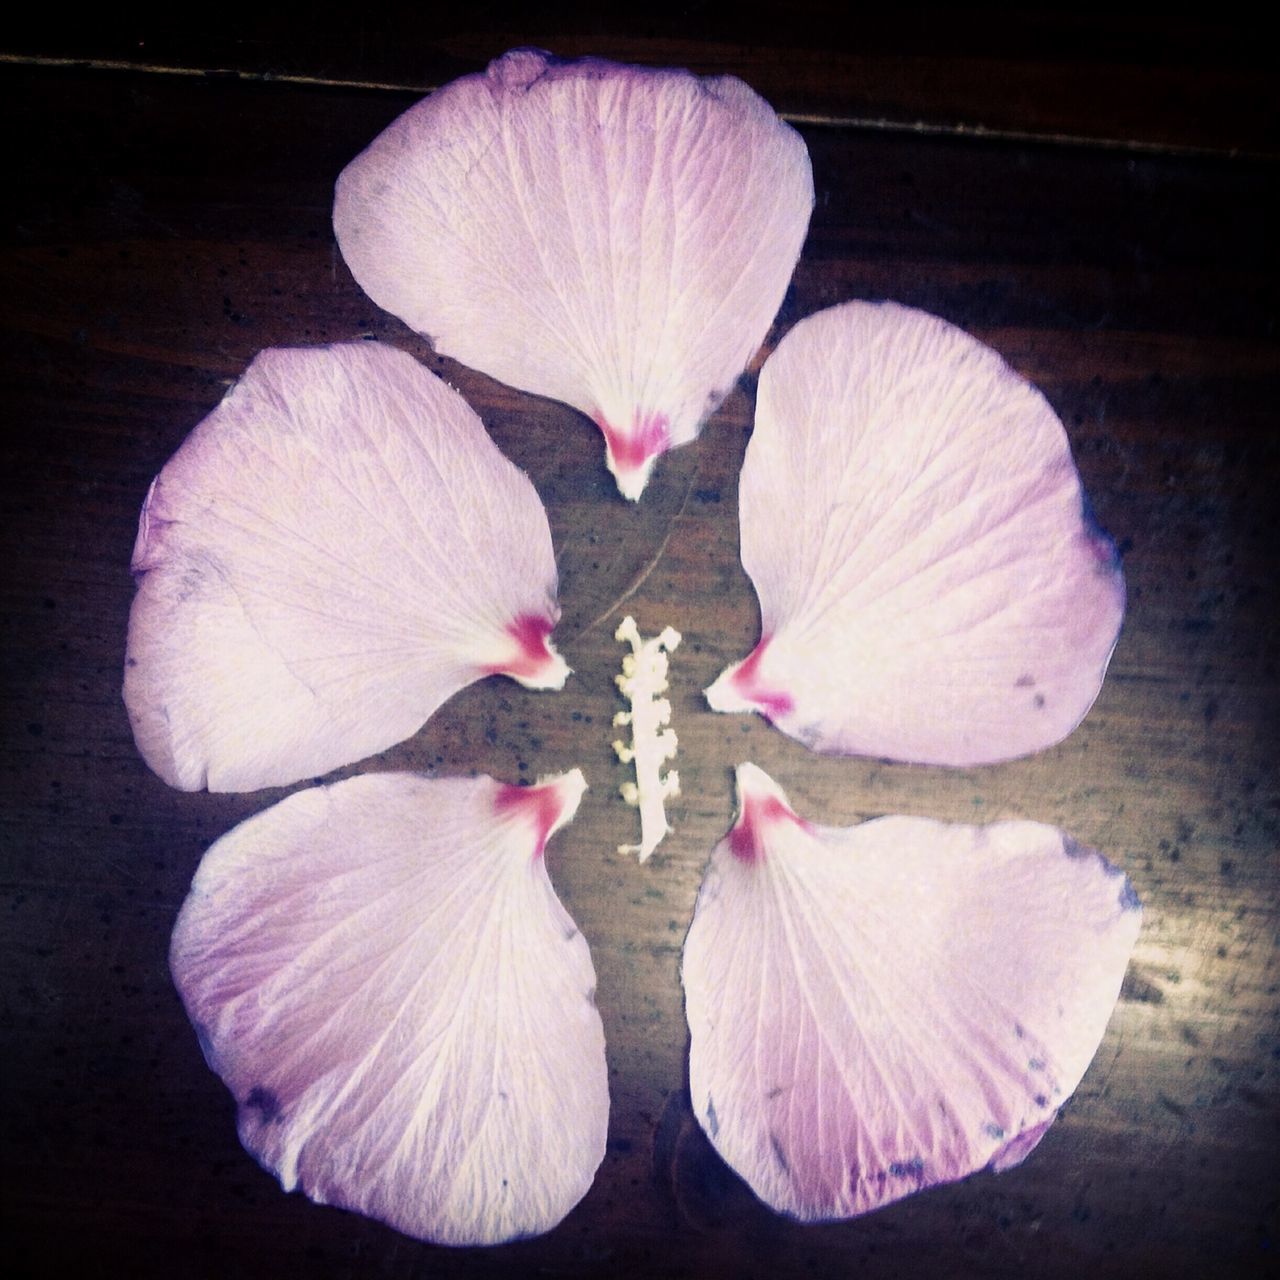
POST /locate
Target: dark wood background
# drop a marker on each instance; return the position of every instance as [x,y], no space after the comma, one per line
[1093,195]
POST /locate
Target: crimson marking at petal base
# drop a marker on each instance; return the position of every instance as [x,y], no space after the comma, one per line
[746,837]
[647,439]
[542,804]
[771,704]
[530,634]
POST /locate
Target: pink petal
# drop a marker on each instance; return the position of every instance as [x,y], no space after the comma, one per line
[881,1008]
[383,976]
[333,552]
[932,587]
[615,237]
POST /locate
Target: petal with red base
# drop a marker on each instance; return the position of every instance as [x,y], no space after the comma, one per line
[615,237]
[381,973]
[932,587]
[881,1008]
[333,552]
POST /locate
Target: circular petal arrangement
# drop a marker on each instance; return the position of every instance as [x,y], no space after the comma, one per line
[334,552]
[380,970]
[931,586]
[619,238]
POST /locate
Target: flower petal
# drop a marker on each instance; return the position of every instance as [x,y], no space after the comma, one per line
[383,976]
[616,237]
[333,552]
[932,586]
[881,1008]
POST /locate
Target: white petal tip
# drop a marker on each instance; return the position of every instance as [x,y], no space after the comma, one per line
[570,787]
[742,687]
[762,804]
[535,663]
[630,455]
[549,805]
[552,674]
[631,480]
[753,782]
[723,696]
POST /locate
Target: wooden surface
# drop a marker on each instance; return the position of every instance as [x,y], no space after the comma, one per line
[162,228]
[1194,80]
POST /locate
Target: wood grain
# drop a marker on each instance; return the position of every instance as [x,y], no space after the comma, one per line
[164,229]
[1190,79]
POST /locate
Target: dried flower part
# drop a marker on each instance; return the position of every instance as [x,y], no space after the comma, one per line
[383,976]
[332,553]
[618,238]
[882,1008]
[643,682]
[932,587]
